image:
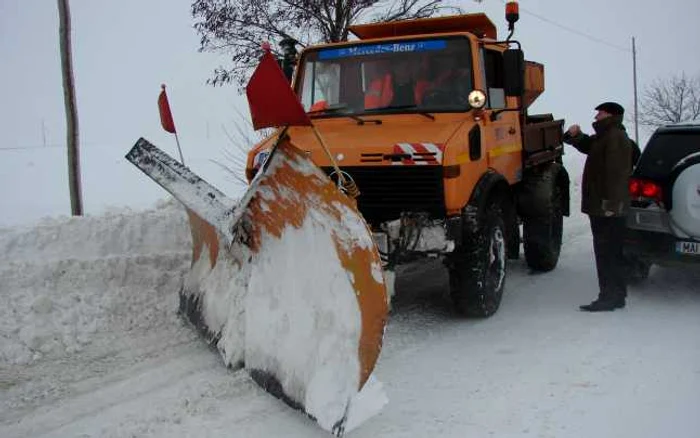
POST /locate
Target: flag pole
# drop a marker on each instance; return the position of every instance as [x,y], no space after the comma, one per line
[177,141]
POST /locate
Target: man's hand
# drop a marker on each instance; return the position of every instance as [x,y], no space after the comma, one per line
[611,208]
[574,130]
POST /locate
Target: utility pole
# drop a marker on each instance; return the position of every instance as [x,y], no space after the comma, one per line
[636,107]
[43,132]
[64,32]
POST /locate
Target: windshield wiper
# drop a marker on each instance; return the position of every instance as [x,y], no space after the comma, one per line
[335,109]
[403,107]
[361,121]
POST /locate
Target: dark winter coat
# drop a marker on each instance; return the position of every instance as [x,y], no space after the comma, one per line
[608,167]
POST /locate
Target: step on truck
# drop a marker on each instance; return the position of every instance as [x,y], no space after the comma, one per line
[429,119]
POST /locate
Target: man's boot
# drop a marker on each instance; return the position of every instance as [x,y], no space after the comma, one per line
[607,305]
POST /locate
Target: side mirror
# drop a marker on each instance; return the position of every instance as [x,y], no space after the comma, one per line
[513,72]
[288,60]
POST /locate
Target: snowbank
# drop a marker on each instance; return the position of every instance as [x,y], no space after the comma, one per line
[68,281]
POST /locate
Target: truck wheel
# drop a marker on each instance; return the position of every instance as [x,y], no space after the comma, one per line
[478,267]
[542,235]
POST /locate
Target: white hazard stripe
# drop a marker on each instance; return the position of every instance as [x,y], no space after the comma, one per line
[420,153]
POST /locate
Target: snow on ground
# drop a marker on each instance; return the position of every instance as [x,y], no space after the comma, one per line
[90,345]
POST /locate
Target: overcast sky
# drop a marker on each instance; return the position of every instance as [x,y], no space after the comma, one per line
[123,50]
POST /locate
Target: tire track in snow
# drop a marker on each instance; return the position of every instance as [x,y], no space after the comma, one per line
[44,383]
[122,387]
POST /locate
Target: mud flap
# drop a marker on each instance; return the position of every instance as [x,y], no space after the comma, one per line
[286,283]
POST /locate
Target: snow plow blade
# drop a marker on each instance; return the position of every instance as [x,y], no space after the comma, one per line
[287,282]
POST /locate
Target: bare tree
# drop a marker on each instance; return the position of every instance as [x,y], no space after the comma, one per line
[238,27]
[672,100]
[64,31]
[242,138]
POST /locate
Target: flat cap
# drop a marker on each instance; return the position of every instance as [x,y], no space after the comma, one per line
[611,108]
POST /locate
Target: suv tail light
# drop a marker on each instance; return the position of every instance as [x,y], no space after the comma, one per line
[645,189]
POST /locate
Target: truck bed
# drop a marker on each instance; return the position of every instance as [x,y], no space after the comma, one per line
[542,139]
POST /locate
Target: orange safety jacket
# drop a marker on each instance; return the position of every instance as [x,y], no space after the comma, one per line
[380,92]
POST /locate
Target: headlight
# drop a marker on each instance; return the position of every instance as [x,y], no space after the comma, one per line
[477,99]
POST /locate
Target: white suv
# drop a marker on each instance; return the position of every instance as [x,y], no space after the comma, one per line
[663,225]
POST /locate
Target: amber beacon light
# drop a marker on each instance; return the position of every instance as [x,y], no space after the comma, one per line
[512,14]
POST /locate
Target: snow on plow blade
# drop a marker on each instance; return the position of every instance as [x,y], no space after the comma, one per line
[286,283]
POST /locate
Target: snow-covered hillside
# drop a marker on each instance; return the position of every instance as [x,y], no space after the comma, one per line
[90,345]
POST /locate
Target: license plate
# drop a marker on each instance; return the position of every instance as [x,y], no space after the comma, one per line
[692,248]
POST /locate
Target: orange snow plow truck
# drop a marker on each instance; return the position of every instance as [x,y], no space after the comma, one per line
[429,119]
[420,144]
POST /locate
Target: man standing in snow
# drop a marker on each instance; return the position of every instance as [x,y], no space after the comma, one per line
[605,199]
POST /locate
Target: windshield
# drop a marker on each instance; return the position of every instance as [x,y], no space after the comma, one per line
[428,75]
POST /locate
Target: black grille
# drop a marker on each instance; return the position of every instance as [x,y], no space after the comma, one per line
[386,191]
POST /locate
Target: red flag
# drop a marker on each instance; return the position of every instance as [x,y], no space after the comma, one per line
[272,101]
[166,117]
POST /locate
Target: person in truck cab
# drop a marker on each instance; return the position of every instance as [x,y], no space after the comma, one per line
[448,83]
[393,86]
[379,91]
[605,199]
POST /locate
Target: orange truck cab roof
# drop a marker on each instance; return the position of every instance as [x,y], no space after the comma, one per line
[477,24]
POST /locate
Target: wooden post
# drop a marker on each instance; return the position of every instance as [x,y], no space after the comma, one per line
[72,138]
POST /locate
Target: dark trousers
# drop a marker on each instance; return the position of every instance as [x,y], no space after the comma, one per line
[608,238]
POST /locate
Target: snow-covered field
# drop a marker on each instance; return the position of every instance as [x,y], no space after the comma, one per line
[90,345]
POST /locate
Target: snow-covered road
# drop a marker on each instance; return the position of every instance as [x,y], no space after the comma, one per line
[538,368]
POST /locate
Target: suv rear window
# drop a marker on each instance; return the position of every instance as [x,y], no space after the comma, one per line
[664,150]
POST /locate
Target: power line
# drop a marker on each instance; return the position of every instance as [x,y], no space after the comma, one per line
[572,30]
[50,146]
[22,148]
